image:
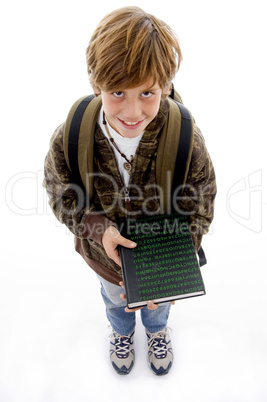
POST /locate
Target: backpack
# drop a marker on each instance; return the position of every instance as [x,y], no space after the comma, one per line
[176,135]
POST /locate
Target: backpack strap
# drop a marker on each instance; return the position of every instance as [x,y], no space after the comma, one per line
[181,165]
[78,141]
[174,154]
[74,137]
[202,257]
[173,167]
[175,95]
[184,151]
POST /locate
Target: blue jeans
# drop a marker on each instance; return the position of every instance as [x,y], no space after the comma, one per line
[124,323]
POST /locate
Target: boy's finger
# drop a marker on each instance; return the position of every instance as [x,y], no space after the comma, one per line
[151,305]
[126,242]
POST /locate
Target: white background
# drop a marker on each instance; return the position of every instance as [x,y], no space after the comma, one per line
[53,329]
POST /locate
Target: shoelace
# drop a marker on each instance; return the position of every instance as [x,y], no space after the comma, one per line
[122,344]
[158,342]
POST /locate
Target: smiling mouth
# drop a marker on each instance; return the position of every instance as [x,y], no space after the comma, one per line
[131,123]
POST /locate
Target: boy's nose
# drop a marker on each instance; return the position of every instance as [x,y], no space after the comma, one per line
[132,110]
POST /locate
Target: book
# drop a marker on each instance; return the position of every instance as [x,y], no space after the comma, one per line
[163,266]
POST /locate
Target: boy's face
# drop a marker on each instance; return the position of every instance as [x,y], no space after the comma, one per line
[129,111]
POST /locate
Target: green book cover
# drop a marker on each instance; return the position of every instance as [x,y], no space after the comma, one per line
[163,267]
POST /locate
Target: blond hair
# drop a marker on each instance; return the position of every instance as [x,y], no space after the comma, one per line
[129,46]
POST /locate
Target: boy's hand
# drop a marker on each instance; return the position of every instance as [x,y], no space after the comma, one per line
[111,239]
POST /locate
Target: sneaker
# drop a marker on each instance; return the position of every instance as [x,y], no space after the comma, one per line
[160,356]
[121,352]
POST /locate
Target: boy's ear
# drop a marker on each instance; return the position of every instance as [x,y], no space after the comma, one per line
[96,90]
[166,91]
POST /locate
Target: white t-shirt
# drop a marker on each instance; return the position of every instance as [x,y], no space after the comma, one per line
[127,146]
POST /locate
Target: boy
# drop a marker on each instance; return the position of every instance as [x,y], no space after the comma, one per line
[132,59]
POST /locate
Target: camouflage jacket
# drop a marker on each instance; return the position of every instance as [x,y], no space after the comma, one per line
[88,219]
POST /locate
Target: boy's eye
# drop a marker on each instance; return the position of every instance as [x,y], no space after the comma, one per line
[147,94]
[118,94]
